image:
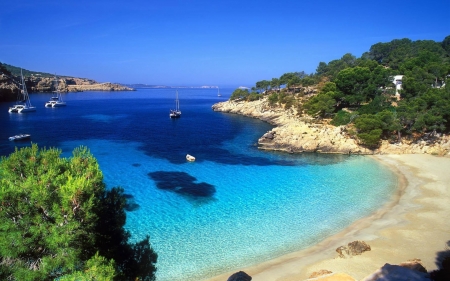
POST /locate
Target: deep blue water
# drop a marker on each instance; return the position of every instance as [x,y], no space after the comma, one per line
[234,206]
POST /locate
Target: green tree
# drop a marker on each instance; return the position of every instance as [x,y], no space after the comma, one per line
[239,94]
[273,99]
[275,84]
[320,105]
[263,85]
[353,85]
[369,130]
[51,208]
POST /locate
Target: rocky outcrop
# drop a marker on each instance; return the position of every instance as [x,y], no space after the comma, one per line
[399,273]
[71,84]
[240,276]
[353,248]
[9,88]
[296,134]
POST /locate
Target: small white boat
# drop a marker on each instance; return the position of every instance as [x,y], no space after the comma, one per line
[190,158]
[176,113]
[218,92]
[16,108]
[19,137]
[56,101]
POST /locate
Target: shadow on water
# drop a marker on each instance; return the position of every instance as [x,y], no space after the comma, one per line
[443,265]
[183,184]
[130,204]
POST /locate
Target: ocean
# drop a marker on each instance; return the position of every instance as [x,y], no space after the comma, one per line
[234,206]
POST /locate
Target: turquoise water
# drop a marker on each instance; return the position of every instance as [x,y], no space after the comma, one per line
[235,206]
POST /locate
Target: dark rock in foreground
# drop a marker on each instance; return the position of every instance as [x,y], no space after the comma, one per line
[239,276]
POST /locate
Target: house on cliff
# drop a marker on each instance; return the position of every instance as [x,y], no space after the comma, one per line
[397,80]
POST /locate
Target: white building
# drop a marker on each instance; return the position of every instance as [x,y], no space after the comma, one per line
[398,84]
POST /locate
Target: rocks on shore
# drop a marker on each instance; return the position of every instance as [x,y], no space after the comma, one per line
[240,276]
[353,248]
[397,272]
[411,270]
[295,134]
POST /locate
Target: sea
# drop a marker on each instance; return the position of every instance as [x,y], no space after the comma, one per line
[235,206]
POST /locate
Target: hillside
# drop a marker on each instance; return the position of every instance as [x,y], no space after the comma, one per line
[393,99]
[45,82]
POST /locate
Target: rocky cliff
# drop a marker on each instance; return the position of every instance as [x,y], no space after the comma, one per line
[9,88]
[71,84]
[300,134]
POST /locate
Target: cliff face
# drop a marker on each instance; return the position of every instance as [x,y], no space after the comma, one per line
[297,134]
[71,84]
[9,89]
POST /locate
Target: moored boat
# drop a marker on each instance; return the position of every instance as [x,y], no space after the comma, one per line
[56,101]
[190,158]
[23,105]
[176,113]
[20,137]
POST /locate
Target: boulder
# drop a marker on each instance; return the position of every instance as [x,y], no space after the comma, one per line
[353,248]
[414,264]
[239,276]
[398,273]
[358,247]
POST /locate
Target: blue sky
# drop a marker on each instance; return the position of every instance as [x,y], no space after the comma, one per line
[194,43]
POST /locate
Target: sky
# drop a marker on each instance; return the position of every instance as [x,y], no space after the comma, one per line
[197,42]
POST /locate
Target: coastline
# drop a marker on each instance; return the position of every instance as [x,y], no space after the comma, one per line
[294,134]
[411,226]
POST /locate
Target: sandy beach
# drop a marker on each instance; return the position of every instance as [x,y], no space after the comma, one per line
[413,225]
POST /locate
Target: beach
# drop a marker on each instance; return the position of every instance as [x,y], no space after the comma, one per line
[412,225]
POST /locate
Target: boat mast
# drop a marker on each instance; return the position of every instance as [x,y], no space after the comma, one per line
[24,91]
[177,103]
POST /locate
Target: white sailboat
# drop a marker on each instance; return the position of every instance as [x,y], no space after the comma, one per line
[23,105]
[56,100]
[218,92]
[176,113]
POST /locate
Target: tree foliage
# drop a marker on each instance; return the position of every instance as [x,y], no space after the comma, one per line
[59,221]
[365,86]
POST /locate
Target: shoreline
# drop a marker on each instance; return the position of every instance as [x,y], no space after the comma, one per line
[410,226]
[294,134]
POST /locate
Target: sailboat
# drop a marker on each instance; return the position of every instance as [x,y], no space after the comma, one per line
[23,104]
[56,100]
[218,92]
[176,113]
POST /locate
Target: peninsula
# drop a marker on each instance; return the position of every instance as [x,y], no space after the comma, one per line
[43,82]
[296,134]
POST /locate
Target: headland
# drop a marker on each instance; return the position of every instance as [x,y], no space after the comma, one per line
[296,134]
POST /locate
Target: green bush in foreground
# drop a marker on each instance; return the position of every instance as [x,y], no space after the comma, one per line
[58,222]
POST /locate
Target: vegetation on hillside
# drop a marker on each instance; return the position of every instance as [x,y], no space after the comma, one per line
[58,222]
[360,92]
[15,71]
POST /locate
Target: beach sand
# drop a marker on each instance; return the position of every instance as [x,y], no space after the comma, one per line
[413,225]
